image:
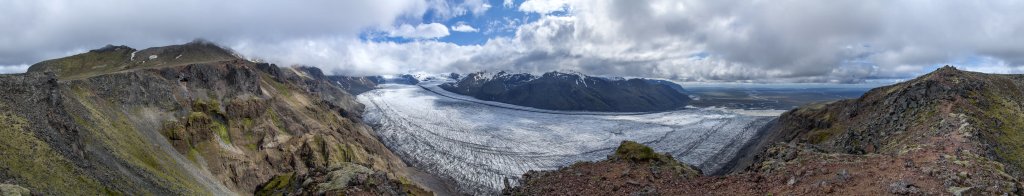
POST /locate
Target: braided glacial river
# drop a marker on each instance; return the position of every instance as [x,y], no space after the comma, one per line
[478,144]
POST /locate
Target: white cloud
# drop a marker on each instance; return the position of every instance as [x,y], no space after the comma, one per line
[6,69]
[800,40]
[727,40]
[509,3]
[38,30]
[420,31]
[505,24]
[462,27]
[543,6]
[700,41]
[444,9]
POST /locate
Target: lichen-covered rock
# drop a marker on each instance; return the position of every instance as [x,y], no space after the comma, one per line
[13,190]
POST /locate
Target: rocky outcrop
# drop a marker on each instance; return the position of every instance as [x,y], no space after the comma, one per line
[348,179]
[633,169]
[960,128]
[202,123]
[13,190]
[564,91]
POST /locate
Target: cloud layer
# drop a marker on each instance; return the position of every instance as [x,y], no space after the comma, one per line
[690,40]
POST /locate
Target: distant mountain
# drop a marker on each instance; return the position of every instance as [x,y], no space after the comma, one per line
[118,58]
[949,132]
[360,84]
[357,84]
[571,91]
[191,119]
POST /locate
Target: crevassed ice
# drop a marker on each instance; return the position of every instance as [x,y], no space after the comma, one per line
[478,144]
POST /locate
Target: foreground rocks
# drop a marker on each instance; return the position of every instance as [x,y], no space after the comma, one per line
[632,169]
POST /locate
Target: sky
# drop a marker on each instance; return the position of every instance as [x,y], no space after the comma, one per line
[835,41]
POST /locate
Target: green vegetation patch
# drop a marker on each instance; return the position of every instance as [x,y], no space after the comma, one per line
[1009,134]
[280,87]
[635,151]
[112,129]
[37,165]
[276,185]
[222,131]
[87,64]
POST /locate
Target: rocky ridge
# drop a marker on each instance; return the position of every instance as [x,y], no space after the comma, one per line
[186,119]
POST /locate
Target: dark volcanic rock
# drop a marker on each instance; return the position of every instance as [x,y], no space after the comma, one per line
[562,91]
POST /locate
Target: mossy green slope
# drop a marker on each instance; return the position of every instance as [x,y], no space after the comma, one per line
[111,59]
[34,163]
[105,60]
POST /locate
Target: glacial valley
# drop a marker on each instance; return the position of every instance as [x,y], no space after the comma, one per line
[483,146]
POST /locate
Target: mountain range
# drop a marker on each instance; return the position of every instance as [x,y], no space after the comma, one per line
[572,91]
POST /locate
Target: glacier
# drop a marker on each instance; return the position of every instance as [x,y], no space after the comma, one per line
[482,145]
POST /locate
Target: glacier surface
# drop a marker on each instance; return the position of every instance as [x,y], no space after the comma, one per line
[481,144]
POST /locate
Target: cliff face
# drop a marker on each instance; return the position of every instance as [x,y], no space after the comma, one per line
[947,132]
[561,91]
[201,122]
[361,84]
[357,85]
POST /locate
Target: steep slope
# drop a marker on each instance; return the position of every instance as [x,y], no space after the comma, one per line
[947,132]
[562,91]
[357,85]
[202,122]
[964,129]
